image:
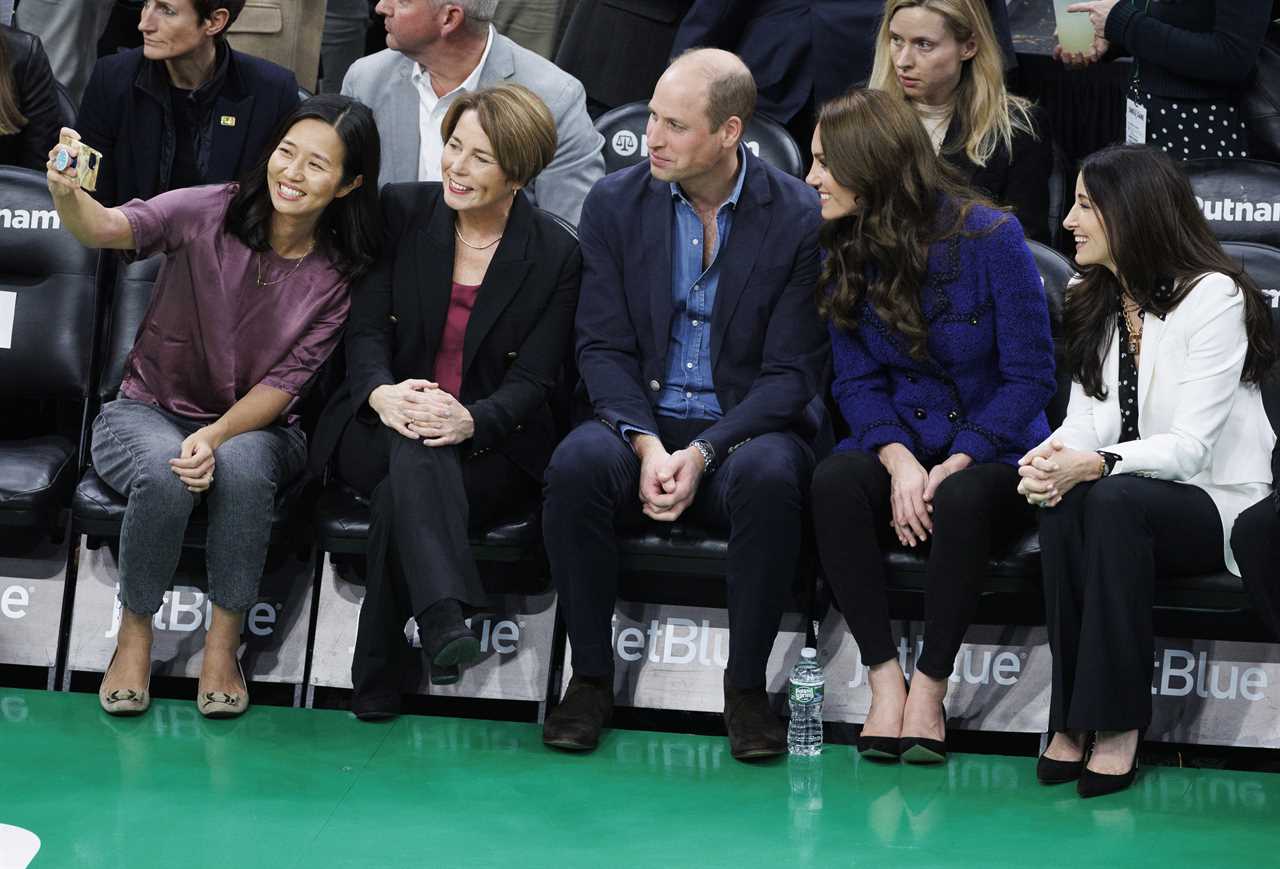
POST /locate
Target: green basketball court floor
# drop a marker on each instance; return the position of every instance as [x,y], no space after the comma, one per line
[286,788]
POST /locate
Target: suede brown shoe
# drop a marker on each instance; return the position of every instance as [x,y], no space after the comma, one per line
[576,723]
[754,731]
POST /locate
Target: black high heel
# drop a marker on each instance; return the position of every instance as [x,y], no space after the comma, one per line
[1099,784]
[917,749]
[1059,772]
[887,748]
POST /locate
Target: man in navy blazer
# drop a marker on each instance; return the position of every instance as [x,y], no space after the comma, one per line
[183,110]
[700,347]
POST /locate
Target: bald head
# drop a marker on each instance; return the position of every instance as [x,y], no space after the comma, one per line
[729,86]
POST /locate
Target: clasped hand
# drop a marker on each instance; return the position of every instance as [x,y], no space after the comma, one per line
[1052,469]
[421,410]
[668,481]
[912,489]
[195,461]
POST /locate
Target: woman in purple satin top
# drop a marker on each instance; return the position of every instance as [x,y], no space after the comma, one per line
[249,303]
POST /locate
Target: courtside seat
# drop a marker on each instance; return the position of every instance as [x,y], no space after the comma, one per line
[1240,198]
[342,523]
[97,509]
[48,304]
[623,130]
[36,477]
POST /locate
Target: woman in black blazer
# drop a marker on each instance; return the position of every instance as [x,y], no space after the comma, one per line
[456,341]
[29,114]
[942,56]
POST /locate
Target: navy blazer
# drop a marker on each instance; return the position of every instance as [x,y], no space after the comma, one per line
[768,347]
[989,372]
[125,114]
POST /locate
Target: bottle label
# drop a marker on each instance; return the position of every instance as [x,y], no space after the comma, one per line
[806,693]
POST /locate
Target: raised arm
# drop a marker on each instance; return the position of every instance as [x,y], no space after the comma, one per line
[84,217]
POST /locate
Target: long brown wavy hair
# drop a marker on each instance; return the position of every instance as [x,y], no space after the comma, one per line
[1161,245]
[875,146]
[11,118]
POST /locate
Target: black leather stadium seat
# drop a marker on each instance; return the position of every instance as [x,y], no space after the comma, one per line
[342,521]
[624,141]
[48,298]
[1240,198]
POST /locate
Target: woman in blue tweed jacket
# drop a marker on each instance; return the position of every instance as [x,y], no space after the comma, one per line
[943,368]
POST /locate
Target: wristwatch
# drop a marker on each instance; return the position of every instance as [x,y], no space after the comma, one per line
[1108,461]
[708,454]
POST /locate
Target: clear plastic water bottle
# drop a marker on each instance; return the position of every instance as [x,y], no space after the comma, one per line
[804,732]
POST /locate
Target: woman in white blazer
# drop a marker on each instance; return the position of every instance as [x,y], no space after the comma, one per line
[1165,442]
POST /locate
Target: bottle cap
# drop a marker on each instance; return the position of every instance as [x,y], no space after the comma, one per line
[809,653]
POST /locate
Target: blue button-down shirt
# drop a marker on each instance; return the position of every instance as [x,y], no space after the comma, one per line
[689,391]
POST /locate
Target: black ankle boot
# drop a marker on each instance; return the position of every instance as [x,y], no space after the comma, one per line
[586,708]
[446,639]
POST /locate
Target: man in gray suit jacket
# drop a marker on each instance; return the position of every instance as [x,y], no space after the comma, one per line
[438,48]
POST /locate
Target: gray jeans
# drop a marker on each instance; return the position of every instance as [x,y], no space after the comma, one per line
[132,445]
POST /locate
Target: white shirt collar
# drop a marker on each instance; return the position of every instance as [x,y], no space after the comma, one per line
[422,78]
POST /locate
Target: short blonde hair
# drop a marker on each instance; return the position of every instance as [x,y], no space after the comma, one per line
[519,126]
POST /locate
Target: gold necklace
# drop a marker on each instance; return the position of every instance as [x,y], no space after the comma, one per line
[458,232]
[297,265]
[1135,334]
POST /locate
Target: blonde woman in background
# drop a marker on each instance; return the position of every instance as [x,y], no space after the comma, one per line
[942,56]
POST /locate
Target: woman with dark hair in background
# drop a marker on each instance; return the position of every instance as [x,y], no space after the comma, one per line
[941,56]
[1165,442]
[249,303]
[29,114]
[943,369]
[458,337]
[1191,62]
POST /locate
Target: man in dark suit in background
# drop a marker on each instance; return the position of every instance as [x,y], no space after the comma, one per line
[185,109]
[700,348]
[802,52]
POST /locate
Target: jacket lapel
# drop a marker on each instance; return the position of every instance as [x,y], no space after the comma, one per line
[502,280]
[738,256]
[400,148]
[1152,331]
[656,263]
[227,139]
[434,266]
[501,63]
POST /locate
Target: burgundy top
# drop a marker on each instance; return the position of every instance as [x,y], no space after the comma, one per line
[211,333]
[448,371]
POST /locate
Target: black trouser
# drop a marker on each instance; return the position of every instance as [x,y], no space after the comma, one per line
[973,511]
[424,501]
[1102,549]
[757,494]
[1255,541]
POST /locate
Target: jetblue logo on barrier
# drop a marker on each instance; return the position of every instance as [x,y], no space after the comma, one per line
[1230,211]
[676,641]
[15,601]
[22,218]
[1182,672]
[186,609]
[502,636]
[973,666]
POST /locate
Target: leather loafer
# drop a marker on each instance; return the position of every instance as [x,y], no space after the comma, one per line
[576,723]
[447,675]
[754,731]
[375,707]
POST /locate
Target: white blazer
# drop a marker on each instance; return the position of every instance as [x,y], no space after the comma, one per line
[1197,423]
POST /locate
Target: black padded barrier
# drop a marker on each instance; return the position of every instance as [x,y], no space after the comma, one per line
[48,303]
[1240,198]
[624,140]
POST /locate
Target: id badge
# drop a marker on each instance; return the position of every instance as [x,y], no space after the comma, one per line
[1135,123]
